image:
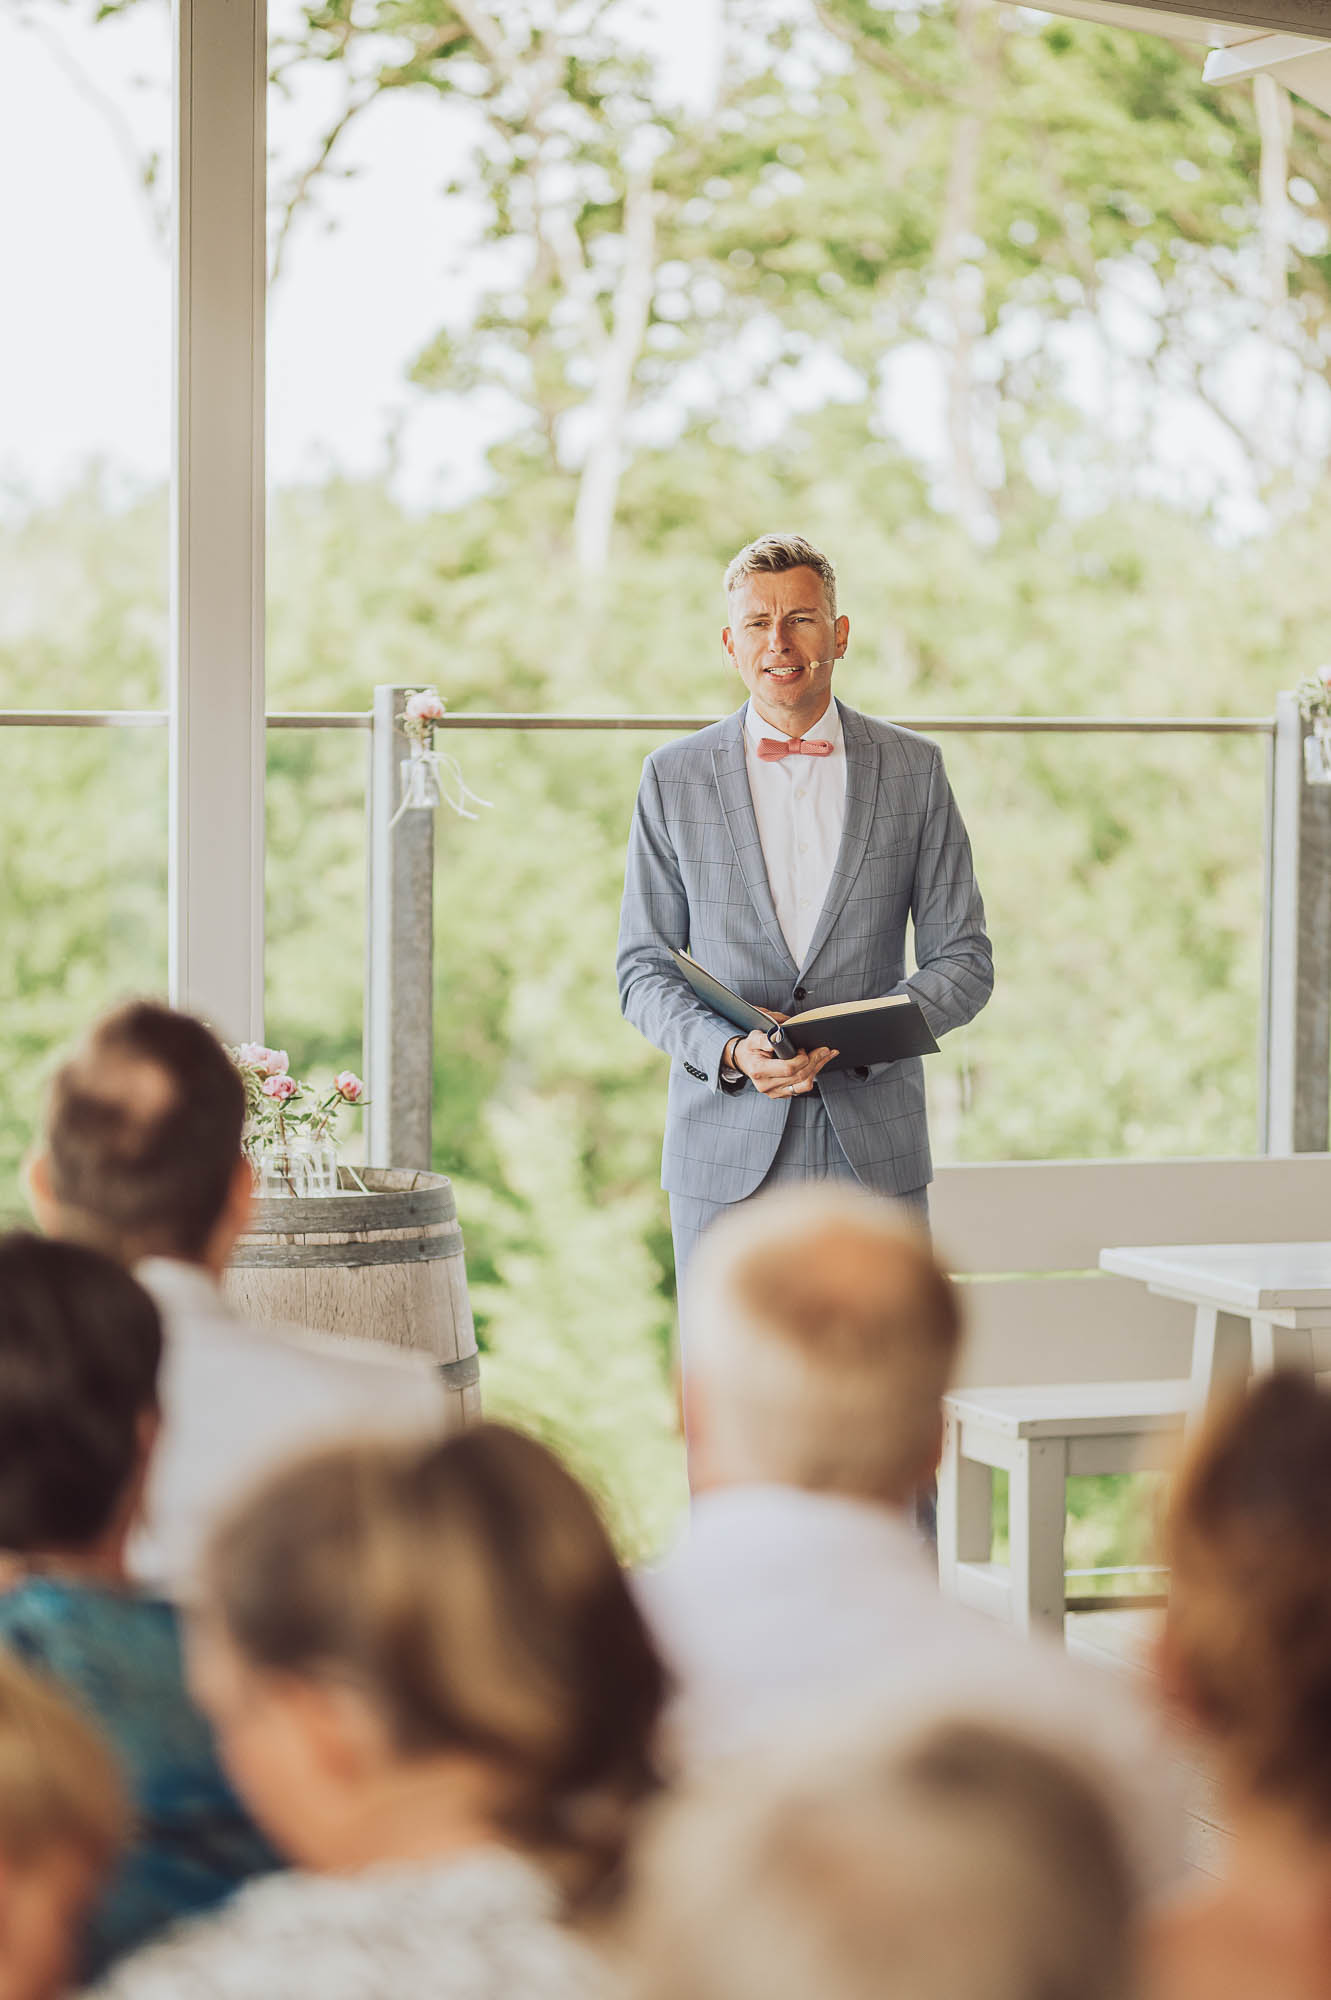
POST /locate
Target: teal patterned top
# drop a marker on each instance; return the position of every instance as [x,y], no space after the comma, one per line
[117,1654]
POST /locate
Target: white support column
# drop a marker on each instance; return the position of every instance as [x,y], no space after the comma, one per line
[1296,1053]
[217,512]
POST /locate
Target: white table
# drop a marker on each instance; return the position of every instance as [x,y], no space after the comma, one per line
[1258,1305]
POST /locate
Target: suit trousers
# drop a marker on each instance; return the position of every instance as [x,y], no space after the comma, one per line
[809,1151]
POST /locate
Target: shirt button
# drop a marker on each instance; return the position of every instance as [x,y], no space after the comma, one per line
[800,793]
[804,847]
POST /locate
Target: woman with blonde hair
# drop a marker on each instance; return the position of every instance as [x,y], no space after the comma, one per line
[1246,1653]
[432,1687]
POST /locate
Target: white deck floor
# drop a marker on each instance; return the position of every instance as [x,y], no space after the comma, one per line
[1122,1642]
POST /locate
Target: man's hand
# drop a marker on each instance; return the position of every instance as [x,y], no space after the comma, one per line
[768,1073]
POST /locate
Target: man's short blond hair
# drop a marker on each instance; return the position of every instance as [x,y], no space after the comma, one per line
[822,1333]
[961,1859]
[60,1786]
[772,555]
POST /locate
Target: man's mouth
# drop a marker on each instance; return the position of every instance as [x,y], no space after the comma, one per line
[783,673]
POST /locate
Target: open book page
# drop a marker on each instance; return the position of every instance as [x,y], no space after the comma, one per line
[854,1007]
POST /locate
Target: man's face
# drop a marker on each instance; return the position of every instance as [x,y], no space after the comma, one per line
[784,642]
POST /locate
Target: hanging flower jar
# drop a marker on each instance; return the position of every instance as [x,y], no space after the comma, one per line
[430,777]
[1314,695]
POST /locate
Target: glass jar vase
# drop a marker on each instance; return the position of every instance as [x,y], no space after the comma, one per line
[301,1167]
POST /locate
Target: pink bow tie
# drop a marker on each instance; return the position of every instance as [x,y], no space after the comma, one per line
[771,748]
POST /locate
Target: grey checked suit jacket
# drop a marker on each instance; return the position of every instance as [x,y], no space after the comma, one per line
[696,878]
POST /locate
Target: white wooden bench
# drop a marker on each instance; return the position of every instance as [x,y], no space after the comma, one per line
[1065,1370]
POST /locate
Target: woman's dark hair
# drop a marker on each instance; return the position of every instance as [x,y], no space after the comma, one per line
[469,1589]
[80,1345]
[1248,1540]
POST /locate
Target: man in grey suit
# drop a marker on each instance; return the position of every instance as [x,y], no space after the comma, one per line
[785,848]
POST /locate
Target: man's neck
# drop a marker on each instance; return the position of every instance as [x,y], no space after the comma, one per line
[791,725]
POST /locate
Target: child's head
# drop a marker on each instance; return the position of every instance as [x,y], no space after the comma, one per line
[381,1619]
[63,1820]
[1248,1632]
[963,1863]
[80,1344]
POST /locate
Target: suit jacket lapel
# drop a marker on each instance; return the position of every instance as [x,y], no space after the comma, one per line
[861,798]
[732,782]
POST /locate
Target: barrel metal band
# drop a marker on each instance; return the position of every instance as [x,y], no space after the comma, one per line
[276,1215]
[343,1256]
[463,1374]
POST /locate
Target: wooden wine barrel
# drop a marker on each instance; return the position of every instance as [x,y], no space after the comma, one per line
[387,1265]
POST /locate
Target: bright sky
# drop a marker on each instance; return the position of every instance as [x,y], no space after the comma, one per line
[85,293]
[85,290]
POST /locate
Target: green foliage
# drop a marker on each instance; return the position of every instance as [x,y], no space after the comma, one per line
[819,213]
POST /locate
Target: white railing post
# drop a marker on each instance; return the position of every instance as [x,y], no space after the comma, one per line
[217,517]
[399,958]
[1296,1010]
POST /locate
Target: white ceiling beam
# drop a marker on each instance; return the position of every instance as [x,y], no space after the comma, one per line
[1300,63]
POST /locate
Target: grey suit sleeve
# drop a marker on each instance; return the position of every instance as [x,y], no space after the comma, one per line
[953,956]
[654,916]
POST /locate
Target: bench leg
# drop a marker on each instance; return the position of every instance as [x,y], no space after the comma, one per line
[965,1508]
[1037,1518]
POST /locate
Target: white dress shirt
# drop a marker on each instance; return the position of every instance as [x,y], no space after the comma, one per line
[237,1398]
[799,803]
[781,1611]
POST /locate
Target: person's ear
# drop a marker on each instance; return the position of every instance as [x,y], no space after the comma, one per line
[697,1432]
[728,641]
[842,635]
[41,1195]
[234,1219]
[341,1730]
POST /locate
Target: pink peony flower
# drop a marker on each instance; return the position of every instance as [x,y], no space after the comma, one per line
[268,1062]
[281,1088]
[427,706]
[348,1086]
[1325,675]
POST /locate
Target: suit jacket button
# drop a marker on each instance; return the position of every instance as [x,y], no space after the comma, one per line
[801,992]
[861,1071]
[695,1072]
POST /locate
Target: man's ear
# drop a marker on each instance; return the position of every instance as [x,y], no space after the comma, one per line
[842,635]
[41,1195]
[728,641]
[234,1219]
[697,1432]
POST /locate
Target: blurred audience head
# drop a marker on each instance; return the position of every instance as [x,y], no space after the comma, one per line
[445,1622]
[141,1154]
[963,1863]
[822,1335]
[80,1344]
[63,1821]
[1247,1644]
